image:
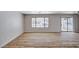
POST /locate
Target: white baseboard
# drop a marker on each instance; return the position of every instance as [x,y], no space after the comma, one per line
[10,40]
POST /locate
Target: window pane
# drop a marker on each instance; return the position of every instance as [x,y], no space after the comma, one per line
[42,22]
[33,22]
[39,22]
[46,22]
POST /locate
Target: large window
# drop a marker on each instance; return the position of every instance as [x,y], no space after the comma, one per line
[39,22]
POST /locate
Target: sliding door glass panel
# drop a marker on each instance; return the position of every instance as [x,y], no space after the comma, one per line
[70,24]
[67,24]
[63,24]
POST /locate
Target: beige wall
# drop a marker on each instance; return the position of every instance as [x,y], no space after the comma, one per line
[54,23]
[76,17]
[11,26]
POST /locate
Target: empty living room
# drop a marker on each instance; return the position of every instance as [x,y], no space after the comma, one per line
[39,29]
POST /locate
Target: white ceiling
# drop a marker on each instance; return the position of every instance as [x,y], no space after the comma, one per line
[49,12]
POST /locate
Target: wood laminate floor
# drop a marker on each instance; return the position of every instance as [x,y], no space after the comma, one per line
[46,40]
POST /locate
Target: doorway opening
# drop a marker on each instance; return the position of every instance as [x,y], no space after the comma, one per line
[67,24]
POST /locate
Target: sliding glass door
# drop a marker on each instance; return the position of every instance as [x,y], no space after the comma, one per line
[67,24]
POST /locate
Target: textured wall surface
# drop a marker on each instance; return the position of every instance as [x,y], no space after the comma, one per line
[54,23]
